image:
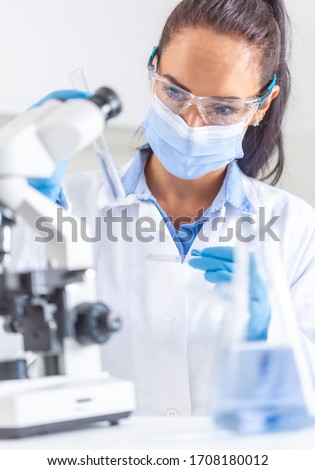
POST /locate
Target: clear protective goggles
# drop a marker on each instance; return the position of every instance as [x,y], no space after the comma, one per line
[213,110]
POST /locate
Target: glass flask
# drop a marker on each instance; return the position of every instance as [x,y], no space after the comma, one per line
[261,386]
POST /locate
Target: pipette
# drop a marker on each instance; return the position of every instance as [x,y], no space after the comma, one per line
[163,258]
[101,148]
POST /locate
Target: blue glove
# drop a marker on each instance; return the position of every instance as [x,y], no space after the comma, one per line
[51,187]
[63,95]
[218,264]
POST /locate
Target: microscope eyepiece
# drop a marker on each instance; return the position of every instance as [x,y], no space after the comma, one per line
[108,101]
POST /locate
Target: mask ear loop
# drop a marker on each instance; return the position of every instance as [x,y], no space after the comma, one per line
[255,123]
[246,123]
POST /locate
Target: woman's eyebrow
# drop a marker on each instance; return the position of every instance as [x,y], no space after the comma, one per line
[176,82]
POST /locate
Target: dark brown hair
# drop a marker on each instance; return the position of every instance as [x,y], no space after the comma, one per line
[263,25]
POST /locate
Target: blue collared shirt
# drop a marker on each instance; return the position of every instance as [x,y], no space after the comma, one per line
[232,192]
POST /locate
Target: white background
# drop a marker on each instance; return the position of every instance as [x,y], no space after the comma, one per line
[42,40]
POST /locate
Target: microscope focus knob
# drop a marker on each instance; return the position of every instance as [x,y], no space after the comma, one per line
[94,323]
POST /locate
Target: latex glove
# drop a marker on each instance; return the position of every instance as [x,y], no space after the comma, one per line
[63,95]
[51,187]
[218,264]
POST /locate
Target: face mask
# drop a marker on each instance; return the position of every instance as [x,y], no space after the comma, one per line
[187,152]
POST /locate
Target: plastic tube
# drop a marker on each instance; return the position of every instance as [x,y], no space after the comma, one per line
[101,148]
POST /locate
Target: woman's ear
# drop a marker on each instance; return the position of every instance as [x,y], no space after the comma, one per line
[259,115]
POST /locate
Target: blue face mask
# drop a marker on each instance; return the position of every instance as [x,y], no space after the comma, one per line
[187,152]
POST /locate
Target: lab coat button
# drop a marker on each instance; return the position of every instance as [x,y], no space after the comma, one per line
[172,412]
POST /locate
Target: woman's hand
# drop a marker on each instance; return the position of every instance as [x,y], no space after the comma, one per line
[51,187]
[218,264]
[63,95]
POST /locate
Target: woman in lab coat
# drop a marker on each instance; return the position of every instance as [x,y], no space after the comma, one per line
[220,86]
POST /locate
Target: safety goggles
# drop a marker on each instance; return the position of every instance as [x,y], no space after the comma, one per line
[213,110]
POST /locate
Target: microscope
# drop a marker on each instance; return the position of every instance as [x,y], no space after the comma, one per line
[56,382]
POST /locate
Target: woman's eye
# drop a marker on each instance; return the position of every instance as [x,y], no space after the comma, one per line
[174,93]
[225,110]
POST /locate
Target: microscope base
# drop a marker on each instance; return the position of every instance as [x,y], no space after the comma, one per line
[52,404]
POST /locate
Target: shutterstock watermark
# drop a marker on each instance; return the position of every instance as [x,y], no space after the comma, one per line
[125,227]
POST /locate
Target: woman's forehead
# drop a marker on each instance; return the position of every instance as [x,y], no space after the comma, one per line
[211,63]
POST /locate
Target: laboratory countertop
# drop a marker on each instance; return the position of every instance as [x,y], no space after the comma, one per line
[152,433]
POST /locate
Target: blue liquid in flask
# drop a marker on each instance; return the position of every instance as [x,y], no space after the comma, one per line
[258,390]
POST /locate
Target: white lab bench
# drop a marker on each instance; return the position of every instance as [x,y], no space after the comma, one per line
[153,433]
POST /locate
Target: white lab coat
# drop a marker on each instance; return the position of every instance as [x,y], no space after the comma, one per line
[170,325]
[169,334]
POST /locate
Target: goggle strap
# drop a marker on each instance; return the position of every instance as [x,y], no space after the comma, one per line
[269,89]
[273,83]
[153,54]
